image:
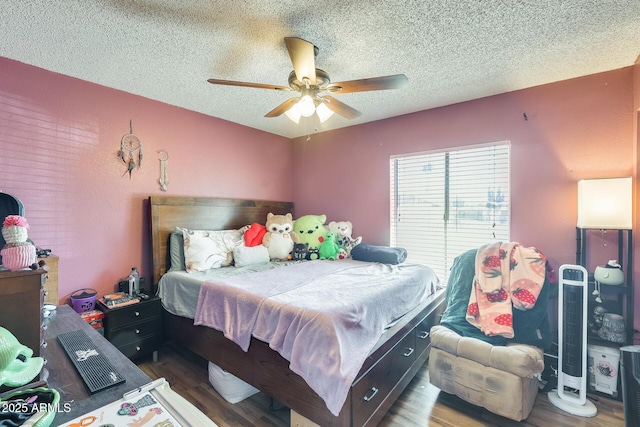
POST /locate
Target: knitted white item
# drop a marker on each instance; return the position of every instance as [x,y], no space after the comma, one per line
[14,234]
[17,256]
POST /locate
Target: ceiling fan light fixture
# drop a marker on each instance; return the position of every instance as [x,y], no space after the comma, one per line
[323,112]
[293,113]
[310,82]
[306,106]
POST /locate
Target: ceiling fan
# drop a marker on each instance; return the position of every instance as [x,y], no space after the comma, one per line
[315,87]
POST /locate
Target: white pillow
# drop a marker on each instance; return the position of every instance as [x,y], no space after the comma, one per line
[206,249]
[247,255]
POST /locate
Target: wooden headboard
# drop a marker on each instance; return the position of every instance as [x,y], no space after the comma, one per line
[202,213]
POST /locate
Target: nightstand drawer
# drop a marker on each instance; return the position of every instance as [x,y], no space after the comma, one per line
[135,332]
[125,316]
[141,347]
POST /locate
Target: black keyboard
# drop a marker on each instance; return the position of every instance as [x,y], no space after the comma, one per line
[94,368]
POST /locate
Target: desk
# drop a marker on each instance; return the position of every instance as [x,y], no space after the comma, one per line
[64,377]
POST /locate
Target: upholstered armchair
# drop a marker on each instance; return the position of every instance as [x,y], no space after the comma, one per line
[499,374]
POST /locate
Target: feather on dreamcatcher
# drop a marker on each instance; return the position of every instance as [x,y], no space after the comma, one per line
[131,145]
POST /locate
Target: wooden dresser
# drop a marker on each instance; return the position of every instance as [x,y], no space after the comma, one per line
[51,285]
[21,297]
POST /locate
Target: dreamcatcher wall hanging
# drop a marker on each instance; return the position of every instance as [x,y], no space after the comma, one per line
[130,146]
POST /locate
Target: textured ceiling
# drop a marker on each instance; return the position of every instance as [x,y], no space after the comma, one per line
[451,50]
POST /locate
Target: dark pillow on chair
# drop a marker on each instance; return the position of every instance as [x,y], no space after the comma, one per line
[530,326]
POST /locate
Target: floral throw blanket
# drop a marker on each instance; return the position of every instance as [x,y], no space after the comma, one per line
[507,276]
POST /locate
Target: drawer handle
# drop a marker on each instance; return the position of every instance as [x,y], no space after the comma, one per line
[409,352]
[137,331]
[45,293]
[43,344]
[137,313]
[423,335]
[372,395]
[137,348]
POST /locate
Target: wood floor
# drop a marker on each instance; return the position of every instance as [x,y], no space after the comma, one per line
[421,404]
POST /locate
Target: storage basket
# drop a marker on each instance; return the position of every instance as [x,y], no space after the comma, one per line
[230,387]
[603,369]
[83,300]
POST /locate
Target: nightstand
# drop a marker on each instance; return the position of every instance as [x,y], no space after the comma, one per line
[136,329]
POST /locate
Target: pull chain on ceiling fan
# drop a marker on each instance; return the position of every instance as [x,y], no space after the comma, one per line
[315,87]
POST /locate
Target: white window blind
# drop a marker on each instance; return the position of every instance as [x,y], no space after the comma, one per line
[446,202]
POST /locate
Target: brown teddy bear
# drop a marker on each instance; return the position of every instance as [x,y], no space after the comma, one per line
[280,237]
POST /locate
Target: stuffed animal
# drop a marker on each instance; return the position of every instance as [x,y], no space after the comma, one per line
[253,234]
[280,237]
[349,243]
[329,249]
[310,229]
[18,253]
[343,230]
[299,251]
[313,253]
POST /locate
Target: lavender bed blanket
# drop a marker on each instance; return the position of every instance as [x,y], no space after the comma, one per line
[324,317]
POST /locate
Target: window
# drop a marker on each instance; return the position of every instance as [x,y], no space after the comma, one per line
[446,202]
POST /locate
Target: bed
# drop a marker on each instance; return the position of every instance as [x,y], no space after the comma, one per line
[386,370]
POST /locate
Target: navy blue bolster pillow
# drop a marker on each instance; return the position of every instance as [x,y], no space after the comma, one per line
[381,254]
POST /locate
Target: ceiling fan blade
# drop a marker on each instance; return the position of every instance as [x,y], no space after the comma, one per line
[396,81]
[341,108]
[302,54]
[282,107]
[247,84]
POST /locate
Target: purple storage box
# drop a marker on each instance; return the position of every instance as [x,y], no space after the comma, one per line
[83,300]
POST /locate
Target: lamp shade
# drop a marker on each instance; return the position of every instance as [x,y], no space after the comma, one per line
[294,113]
[605,203]
[323,112]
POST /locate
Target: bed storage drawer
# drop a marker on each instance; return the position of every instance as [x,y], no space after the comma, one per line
[423,340]
[371,389]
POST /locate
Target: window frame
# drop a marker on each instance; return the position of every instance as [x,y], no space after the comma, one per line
[444,264]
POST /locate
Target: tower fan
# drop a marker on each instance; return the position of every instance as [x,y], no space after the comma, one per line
[571,394]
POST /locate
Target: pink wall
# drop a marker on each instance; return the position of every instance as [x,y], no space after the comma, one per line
[59,138]
[581,128]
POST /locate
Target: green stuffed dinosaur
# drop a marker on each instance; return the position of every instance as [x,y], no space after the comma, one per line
[329,249]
